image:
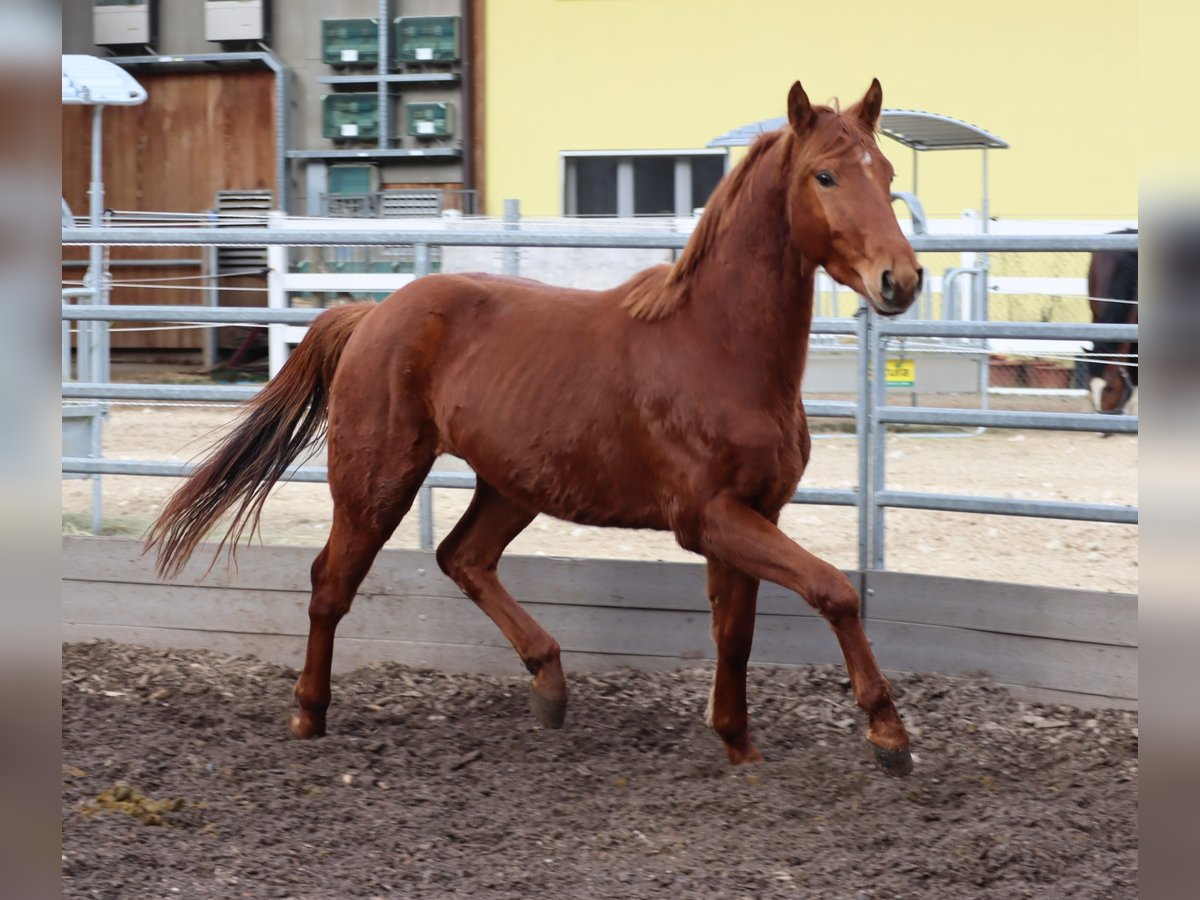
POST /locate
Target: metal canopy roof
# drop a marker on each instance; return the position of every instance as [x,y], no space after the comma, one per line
[932,131]
[747,134]
[913,128]
[91,81]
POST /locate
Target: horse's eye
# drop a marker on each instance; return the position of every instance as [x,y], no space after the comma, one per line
[825,178]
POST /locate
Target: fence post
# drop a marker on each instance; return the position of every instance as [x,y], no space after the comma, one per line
[420,260]
[277,297]
[425,493]
[862,425]
[211,269]
[512,222]
[878,438]
[425,513]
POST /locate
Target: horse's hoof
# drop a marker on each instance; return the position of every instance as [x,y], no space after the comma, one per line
[894,762]
[551,712]
[304,728]
[743,755]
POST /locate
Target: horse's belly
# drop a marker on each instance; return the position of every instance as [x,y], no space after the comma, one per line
[583,491]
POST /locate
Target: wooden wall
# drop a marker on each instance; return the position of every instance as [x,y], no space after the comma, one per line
[1058,645]
[198,133]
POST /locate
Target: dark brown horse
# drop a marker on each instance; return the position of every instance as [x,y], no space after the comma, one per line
[1112,281]
[671,402]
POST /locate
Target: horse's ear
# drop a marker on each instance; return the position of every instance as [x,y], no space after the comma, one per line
[871,105]
[800,111]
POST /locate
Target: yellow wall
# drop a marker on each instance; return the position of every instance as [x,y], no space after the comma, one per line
[1057,79]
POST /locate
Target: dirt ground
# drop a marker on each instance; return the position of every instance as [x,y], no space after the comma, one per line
[1025,464]
[179,781]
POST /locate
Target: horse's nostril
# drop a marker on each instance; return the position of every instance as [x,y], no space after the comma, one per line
[920,278]
[889,286]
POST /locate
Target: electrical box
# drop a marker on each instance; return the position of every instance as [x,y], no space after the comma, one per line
[350,42]
[235,20]
[429,120]
[350,117]
[421,39]
[117,22]
[353,179]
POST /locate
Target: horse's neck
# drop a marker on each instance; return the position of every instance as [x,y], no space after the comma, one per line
[754,293]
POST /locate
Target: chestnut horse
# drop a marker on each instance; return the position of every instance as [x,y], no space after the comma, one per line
[1112,282]
[670,402]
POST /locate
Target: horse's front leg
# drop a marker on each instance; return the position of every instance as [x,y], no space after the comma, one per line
[740,537]
[733,596]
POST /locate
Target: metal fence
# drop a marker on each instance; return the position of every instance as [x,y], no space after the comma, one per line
[871,412]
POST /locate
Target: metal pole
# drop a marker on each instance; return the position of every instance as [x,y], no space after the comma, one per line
[95,334]
[878,433]
[862,425]
[210,345]
[559,237]
[512,222]
[425,512]
[983,312]
[66,349]
[425,493]
[382,70]
[420,260]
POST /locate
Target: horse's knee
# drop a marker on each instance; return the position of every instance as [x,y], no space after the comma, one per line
[837,600]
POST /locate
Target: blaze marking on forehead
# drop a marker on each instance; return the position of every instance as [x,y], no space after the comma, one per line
[866,159]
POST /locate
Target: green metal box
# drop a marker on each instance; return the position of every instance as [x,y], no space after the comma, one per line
[350,42]
[427,39]
[429,120]
[350,117]
[350,179]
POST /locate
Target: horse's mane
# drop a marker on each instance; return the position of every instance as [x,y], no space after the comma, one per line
[650,297]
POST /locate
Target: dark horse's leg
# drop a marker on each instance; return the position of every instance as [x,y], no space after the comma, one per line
[735,534]
[469,556]
[733,596]
[365,513]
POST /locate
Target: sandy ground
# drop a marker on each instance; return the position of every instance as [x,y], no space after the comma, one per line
[1025,464]
[179,781]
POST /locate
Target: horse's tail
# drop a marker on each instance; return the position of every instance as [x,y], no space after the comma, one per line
[285,417]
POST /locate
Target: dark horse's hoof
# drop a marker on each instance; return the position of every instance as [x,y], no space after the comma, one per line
[894,762]
[550,712]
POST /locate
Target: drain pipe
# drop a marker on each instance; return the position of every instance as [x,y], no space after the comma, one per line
[468,100]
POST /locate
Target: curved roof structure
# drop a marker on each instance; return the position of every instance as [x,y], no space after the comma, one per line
[933,131]
[746,135]
[913,128]
[91,81]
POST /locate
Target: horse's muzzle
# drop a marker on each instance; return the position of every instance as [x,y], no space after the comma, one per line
[898,290]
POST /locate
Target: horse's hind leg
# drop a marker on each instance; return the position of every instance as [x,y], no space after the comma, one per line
[734,596]
[365,513]
[469,556]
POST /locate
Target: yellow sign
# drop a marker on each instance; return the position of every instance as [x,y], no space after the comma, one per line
[900,373]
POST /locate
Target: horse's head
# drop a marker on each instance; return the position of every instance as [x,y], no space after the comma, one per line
[840,204]
[1112,389]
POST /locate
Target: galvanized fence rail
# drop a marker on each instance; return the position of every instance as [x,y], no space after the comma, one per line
[871,412]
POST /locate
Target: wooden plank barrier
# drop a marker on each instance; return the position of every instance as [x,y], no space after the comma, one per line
[1062,645]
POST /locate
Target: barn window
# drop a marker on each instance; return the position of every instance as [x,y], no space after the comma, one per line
[662,183]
